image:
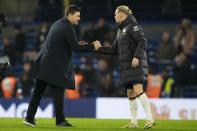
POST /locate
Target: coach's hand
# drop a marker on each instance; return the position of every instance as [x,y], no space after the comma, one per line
[83,42]
[135,62]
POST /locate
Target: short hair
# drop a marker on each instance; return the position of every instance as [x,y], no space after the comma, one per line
[71,9]
[124,9]
[187,21]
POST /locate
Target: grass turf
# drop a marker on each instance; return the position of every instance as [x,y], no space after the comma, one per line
[87,124]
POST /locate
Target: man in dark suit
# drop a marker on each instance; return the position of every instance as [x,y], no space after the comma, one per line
[54,65]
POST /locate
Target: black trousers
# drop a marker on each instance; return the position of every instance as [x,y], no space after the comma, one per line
[57,96]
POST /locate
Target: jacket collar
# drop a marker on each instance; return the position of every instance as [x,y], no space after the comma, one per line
[66,20]
[128,20]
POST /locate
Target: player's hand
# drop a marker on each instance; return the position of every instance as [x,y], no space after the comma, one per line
[83,42]
[97,44]
[135,62]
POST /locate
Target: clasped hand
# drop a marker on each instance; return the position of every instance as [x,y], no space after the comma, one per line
[96,44]
[135,62]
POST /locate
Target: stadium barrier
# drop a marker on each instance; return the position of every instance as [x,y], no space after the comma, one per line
[72,108]
[104,108]
[173,109]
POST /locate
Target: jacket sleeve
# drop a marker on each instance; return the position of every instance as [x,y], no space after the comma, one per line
[138,35]
[73,43]
[113,50]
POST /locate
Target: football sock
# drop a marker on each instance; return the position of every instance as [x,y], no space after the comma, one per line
[146,105]
[133,109]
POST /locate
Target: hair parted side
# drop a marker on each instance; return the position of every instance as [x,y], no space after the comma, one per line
[124,9]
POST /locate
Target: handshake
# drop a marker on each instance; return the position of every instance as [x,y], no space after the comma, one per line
[96,44]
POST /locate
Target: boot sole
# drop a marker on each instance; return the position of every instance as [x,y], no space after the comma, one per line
[28,124]
[65,126]
[150,126]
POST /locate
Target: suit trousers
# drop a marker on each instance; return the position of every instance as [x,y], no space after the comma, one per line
[57,96]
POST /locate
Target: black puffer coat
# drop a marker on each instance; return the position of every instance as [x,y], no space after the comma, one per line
[130,42]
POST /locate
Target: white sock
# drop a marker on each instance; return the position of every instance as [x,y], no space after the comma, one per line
[133,109]
[146,105]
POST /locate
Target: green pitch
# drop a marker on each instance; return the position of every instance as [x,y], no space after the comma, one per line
[86,124]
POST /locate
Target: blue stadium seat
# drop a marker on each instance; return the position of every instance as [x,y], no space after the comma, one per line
[190,92]
[31,40]
[17,69]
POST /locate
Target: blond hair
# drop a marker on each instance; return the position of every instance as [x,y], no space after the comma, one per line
[124,9]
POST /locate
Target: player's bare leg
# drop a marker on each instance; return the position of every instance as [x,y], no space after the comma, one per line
[138,89]
[133,109]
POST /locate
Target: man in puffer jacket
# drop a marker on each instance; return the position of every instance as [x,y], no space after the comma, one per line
[130,45]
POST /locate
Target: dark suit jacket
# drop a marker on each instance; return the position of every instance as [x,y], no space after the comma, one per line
[54,61]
